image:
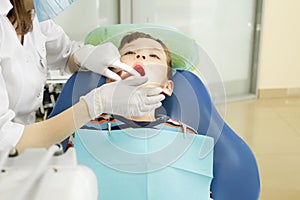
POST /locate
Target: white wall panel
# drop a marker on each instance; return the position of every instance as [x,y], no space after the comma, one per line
[85,15]
[224,28]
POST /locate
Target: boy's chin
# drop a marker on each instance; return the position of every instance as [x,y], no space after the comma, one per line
[164,90]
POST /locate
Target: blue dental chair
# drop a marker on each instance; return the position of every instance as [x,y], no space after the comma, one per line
[235,170]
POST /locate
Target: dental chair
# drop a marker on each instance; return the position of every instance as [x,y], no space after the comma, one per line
[235,170]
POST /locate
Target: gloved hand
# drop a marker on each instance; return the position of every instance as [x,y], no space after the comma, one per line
[99,58]
[123,98]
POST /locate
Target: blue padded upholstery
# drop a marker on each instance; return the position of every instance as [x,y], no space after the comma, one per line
[236,175]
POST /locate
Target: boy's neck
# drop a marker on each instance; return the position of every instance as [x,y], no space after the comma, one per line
[146,118]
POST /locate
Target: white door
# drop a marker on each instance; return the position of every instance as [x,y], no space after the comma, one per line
[225,29]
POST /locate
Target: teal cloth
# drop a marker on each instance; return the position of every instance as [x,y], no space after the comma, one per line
[147,164]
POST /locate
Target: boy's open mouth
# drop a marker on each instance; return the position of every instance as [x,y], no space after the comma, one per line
[139,68]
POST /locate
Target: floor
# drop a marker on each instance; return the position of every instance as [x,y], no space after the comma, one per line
[271,127]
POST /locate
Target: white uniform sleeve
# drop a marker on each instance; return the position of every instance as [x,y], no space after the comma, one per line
[10,132]
[58,45]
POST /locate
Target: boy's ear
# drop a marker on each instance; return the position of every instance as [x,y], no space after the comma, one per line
[168,88]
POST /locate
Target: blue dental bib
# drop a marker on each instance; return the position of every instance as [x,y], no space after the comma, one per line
[145,163]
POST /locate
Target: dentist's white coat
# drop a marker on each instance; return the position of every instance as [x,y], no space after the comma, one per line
[23,71]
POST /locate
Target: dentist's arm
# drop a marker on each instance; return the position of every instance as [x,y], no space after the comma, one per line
[123,97]
[54,130]
[73,67]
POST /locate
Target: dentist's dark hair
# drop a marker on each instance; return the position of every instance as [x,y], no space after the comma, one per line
[20,17]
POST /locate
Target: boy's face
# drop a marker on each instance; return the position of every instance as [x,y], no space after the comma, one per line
[148,57]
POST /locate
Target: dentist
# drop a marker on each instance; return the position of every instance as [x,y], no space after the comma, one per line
[30,45]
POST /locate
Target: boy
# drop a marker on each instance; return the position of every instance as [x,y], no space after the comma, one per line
[148,56]
[134,147]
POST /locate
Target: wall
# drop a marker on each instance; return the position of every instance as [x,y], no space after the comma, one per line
[280,45]
[85,15]
[280,39]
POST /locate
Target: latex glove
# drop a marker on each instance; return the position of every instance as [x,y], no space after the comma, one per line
[123,98]
[100,58]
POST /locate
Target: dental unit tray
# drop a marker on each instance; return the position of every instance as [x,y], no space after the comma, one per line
[41,174]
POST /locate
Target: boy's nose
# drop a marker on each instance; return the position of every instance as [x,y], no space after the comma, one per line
[139,56]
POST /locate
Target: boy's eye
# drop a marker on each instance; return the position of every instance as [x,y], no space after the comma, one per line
[154,56]
[129,53]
